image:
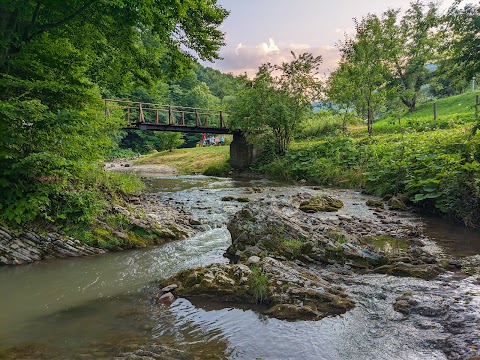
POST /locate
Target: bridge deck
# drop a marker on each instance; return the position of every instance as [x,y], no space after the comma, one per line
[178,128]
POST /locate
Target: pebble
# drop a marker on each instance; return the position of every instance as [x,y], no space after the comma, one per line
[166,298]
[253,259]
[169,288]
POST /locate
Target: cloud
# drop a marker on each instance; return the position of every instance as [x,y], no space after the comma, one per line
[270,47]
[246,58]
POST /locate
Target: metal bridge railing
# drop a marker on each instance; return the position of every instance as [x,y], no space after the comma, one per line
[158,114]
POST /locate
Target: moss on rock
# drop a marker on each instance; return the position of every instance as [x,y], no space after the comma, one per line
[291,294]
[422,271]
[375,203]
[321,203]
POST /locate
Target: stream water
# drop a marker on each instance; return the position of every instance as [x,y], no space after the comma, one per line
[100,307]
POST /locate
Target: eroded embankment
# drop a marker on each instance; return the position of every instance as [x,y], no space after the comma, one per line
[143,221]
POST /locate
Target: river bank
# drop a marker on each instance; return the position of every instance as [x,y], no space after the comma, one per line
[142,221]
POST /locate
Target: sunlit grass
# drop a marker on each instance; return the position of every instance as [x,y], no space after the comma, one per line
[188,161]
[451,112]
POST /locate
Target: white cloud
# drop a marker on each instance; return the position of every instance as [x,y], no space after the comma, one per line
[268,48]
[246,58]
[238,48]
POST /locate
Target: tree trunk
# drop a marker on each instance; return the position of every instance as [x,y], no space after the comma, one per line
[370,121]
[410,103]
[8,24]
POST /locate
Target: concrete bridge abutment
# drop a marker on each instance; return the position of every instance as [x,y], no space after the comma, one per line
[243,154]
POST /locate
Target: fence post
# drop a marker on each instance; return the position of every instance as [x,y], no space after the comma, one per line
[222,125]
[107,111]
[197,118]
[435,110]
[476,106]
[156,117]
[127,115]
[183,118]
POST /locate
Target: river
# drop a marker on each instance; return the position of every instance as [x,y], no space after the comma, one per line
[101,307]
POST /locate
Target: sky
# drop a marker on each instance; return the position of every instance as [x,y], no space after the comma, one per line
[260,31]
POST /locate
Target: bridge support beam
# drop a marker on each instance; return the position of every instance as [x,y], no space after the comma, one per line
[242,154]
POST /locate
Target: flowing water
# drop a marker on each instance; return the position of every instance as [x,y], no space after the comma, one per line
[100,307]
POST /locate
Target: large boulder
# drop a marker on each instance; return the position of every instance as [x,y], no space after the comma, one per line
[279,228]
[286,291]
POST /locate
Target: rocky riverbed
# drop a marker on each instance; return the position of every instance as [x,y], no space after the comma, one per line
[362,272]
[296,257]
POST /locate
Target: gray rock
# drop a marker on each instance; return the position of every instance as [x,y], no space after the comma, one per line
[253,260]
[192,221]
[169,288]
[166,298]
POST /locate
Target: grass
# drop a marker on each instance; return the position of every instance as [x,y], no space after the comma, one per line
[190,161]
[258,283]
[451,112]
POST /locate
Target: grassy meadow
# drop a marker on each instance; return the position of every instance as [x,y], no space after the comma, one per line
[211,160]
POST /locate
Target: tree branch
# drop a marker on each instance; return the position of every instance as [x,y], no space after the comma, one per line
[36,12]
[72,16]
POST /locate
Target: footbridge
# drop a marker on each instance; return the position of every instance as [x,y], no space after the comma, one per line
[157,117]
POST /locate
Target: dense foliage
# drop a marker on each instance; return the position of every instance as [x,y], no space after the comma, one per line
[57,59]
[434,164]
[274,106]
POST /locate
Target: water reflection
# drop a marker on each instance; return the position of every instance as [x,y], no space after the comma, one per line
[48,287]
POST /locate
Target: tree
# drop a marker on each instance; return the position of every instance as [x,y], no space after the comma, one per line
[462,40]
[274,105]
[410,45]
[177,26]
[171,140]
[56,58]
[341,93]
[361,79]
[221,85]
